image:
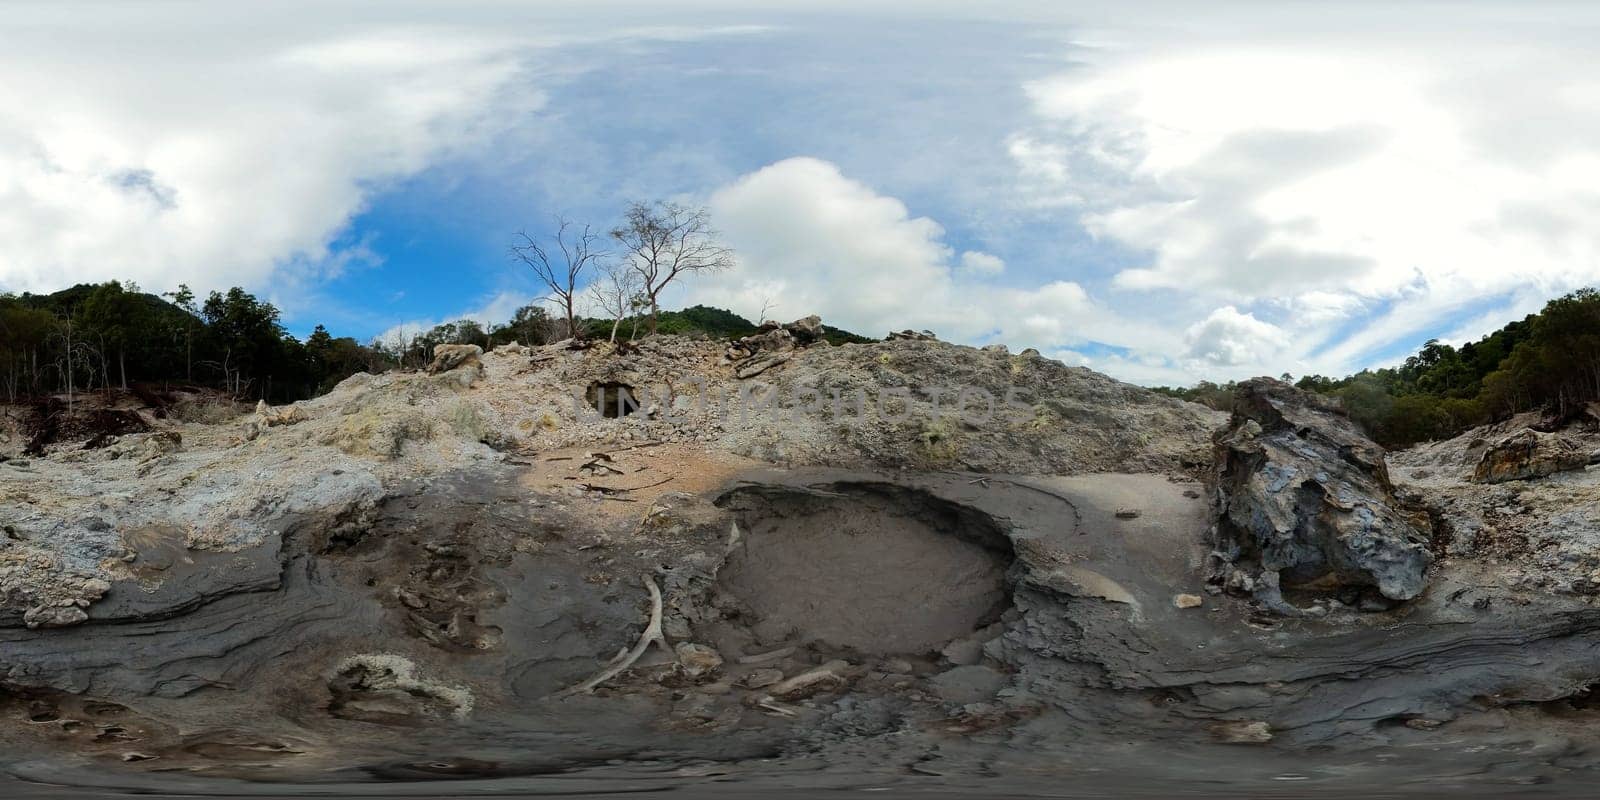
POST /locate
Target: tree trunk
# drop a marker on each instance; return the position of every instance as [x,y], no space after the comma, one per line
[69,369]
[122,366]
[655,313]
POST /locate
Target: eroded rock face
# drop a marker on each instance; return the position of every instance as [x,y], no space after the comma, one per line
[773,338]
[447,357]
[1528,454]
[269,417]
[1303,499]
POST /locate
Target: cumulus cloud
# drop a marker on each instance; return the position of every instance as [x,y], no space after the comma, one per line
[167,157]
[1229,338]
[1314,175]
[817,241]
[808,235]
[978,263]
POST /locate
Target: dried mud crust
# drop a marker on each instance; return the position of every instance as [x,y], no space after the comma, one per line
[876,568]
[323,677]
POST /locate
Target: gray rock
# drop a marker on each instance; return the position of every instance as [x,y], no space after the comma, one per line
[968,684]
[761,678]
[1303,497]
[963,652]
[806,330]
[1528,454]
[54,616]
[697,659]
[447,357]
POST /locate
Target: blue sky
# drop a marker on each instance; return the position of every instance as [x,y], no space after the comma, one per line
[1160,194]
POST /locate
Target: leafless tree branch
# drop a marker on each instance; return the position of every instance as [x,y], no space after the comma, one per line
[663,240]
[560,262]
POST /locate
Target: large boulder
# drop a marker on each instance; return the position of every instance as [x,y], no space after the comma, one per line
[806,330]
[772,337]
[1303,499]
[1528,454]
[459,365]
[447,357]
[269,417]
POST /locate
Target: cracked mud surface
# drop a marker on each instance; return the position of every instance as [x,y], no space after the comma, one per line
[875,570]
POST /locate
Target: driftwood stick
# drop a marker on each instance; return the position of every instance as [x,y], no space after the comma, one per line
[652,635]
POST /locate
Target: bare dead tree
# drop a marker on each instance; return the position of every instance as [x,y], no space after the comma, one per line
[615,292]
[663,240]
[66,333]
[560,264]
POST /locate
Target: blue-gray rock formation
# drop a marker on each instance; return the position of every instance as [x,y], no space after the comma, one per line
[1303,500]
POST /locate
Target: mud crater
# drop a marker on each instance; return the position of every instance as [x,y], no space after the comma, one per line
[877,568]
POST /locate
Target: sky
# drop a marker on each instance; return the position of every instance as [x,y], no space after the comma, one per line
[1165,192]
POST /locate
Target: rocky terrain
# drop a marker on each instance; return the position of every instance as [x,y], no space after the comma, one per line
[774,564]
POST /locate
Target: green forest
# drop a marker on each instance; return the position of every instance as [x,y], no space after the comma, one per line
[1549,361]
[112,335]
[92,337]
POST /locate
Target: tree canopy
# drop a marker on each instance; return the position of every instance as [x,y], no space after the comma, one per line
[1549,361]
[96,336]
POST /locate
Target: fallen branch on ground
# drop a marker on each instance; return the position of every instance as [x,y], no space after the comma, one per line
[610,490]
[652,635]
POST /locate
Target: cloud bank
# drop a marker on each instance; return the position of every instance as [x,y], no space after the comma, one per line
[1171,195]
[1314,178]
[191,154]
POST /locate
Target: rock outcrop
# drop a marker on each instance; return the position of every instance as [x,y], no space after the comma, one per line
[269,417]
[771,345]
[1528,454]
[1303,499]
[772,337]
[447,357]
[459,365]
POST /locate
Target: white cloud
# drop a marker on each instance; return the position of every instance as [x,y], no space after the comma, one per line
[818,242]
[182,154]
[226,145]
[1276,164]
[1278,189]
[978,263]
[815,239]
[1228,338]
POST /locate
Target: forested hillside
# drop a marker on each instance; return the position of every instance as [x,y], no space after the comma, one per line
[1548,361]
[112,335]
